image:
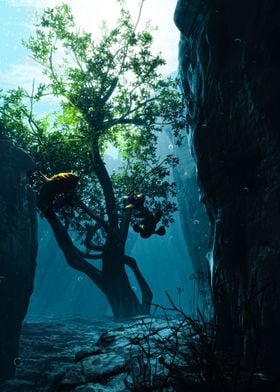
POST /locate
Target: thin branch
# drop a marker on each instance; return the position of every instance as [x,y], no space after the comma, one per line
[54,75]
[125,49]
[142,104]
[139,15]
[88,244]
[94,216]
[41,94]
[110,91]
[130,95]
[147,294]
[77,61]
[56,79]
[123,121]
[33,124]
[133,32]
[153,169]
[86,255]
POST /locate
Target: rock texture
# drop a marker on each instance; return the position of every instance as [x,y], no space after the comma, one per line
[18,248]
[229,68]
[85,355]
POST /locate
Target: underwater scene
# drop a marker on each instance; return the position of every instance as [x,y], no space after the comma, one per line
[139,197]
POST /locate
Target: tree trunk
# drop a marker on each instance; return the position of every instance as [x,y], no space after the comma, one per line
[122,299]
[116,286]
[112,279]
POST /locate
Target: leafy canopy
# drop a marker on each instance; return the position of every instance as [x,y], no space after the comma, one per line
[111,93]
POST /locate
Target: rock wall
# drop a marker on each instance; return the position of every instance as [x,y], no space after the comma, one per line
[18,249]
[229,69]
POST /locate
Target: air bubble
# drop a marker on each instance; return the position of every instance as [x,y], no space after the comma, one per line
[27,187]
[196,222]
[133,288]
[170,147]
[80,278]
[17,362]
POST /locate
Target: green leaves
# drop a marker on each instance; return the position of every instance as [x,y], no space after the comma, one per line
[58,19]
[112,94]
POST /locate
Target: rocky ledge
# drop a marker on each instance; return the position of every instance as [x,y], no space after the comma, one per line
[143,354]
[83,355]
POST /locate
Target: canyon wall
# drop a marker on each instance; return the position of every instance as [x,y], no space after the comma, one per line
[229,69]
[18,250]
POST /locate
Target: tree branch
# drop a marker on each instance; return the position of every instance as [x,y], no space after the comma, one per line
[88,244]
[147,294]
[133,32]
[133,121]
[124,120]
[125,220]
[110,91]
[33,123]
[94,216]
[138,107]
[86,255]
[107,187]
[71,253]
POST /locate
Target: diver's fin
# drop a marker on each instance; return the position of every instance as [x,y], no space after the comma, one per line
[160,231]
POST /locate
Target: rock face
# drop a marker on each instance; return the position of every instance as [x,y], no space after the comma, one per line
[229,68]
[18,249]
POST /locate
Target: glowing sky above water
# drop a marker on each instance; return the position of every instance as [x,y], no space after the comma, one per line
[18,16]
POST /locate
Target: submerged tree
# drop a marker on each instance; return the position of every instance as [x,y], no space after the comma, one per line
[111,95]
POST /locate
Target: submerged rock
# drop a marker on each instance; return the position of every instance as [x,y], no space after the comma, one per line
[143,354]
[18,249]
[128,356]
[92,355]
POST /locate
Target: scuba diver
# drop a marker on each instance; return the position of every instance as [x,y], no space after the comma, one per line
[134,201]
[149,220]
[57,192]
